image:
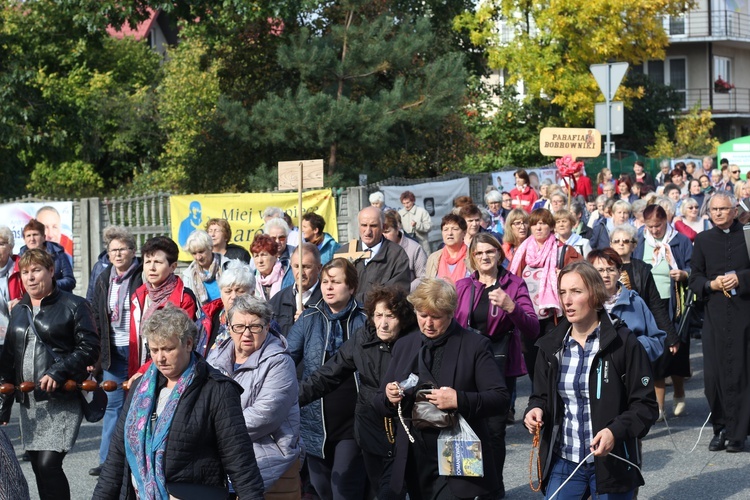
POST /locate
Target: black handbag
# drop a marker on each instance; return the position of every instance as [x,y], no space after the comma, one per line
[93,410]
[190,491]
[425,415]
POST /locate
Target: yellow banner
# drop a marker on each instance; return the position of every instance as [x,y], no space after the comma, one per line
[245,213]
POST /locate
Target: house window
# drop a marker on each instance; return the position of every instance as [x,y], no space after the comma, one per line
[723,68]
[675,25]
[673,72]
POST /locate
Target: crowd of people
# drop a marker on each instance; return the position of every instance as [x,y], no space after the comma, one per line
[299,366]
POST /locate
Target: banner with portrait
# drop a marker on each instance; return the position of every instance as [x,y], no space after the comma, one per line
[56,216]
[244,212]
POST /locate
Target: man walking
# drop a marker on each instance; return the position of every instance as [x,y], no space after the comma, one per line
[721,275]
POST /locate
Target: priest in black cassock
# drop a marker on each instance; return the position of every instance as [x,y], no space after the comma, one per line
[721,275]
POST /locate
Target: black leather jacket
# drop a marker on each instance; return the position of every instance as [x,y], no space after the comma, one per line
[66,325]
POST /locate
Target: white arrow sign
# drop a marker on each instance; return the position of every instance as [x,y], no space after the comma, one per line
[616,73]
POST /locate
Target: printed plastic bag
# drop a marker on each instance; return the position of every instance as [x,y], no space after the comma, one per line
[460,451]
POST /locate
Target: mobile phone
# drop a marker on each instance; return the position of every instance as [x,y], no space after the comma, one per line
[733,291]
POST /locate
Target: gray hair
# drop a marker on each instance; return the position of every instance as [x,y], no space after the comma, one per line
[639,206]
[628,229]
[7,235]
[277,222]
[273,212]
[377,197]
[199,240]
[246,304]
[236,273]
[493,196]
[309,249]
[602,198]
[486,216]
[667,205]
[167,323]
[665,163]
[620,204]
[576,208]
[723,194]
[119,233]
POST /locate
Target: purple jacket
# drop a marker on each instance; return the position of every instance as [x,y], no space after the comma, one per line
[523,317]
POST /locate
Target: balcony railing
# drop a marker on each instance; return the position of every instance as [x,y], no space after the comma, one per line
[736,100]
[698,24]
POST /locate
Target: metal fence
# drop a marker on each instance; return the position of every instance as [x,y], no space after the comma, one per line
[148,215]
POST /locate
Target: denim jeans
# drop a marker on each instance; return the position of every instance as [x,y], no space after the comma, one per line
[580,486]
[118,371]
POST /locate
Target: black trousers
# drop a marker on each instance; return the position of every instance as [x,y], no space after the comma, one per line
[50,477]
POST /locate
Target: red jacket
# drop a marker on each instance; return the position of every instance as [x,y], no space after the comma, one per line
[181,297]
[15,285]
[584,187]
[523,199]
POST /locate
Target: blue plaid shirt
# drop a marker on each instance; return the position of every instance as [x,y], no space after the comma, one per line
[573,388]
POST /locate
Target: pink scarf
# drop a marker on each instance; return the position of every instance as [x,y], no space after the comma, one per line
[459,272]
[273,280]
[545,259]
[158,295]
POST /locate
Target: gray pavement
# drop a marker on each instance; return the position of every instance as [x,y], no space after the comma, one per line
[670,470]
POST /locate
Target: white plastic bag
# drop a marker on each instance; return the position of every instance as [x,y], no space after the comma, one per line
[460,451]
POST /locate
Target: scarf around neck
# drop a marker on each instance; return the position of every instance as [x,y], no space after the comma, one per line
[445,261]
[274,279]
[336,332]
[122,293]
[159,295]
[200,277]
[146,434]
[545,258]
[661,248]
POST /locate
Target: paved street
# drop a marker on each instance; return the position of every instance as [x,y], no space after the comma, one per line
[671,471]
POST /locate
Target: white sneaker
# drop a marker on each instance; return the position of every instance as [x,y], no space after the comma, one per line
[679,406]
[662,415]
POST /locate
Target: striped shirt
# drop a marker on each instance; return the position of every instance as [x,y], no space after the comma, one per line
[573,387]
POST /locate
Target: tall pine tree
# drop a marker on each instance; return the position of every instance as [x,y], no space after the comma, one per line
[364,74]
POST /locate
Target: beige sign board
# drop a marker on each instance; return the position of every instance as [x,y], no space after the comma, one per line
[289,174]
[577,142]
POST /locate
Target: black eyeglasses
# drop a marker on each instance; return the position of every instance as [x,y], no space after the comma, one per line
[240,329]
[617,242]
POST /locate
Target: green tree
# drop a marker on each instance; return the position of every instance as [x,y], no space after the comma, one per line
[549,46]
[72,98]
[506,128]
[364,76]
[652,106]
[692,136]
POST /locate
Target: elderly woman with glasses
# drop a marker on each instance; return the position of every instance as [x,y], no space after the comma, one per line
[691,223]
[497,304]
[255,357]
[627,304]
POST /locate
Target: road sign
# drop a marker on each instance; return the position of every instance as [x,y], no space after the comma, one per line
[616,117]
[609,147]
[608,83]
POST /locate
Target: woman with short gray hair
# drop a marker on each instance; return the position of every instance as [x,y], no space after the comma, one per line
[236,280]
[196,434]
[202,274]
[255,356]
